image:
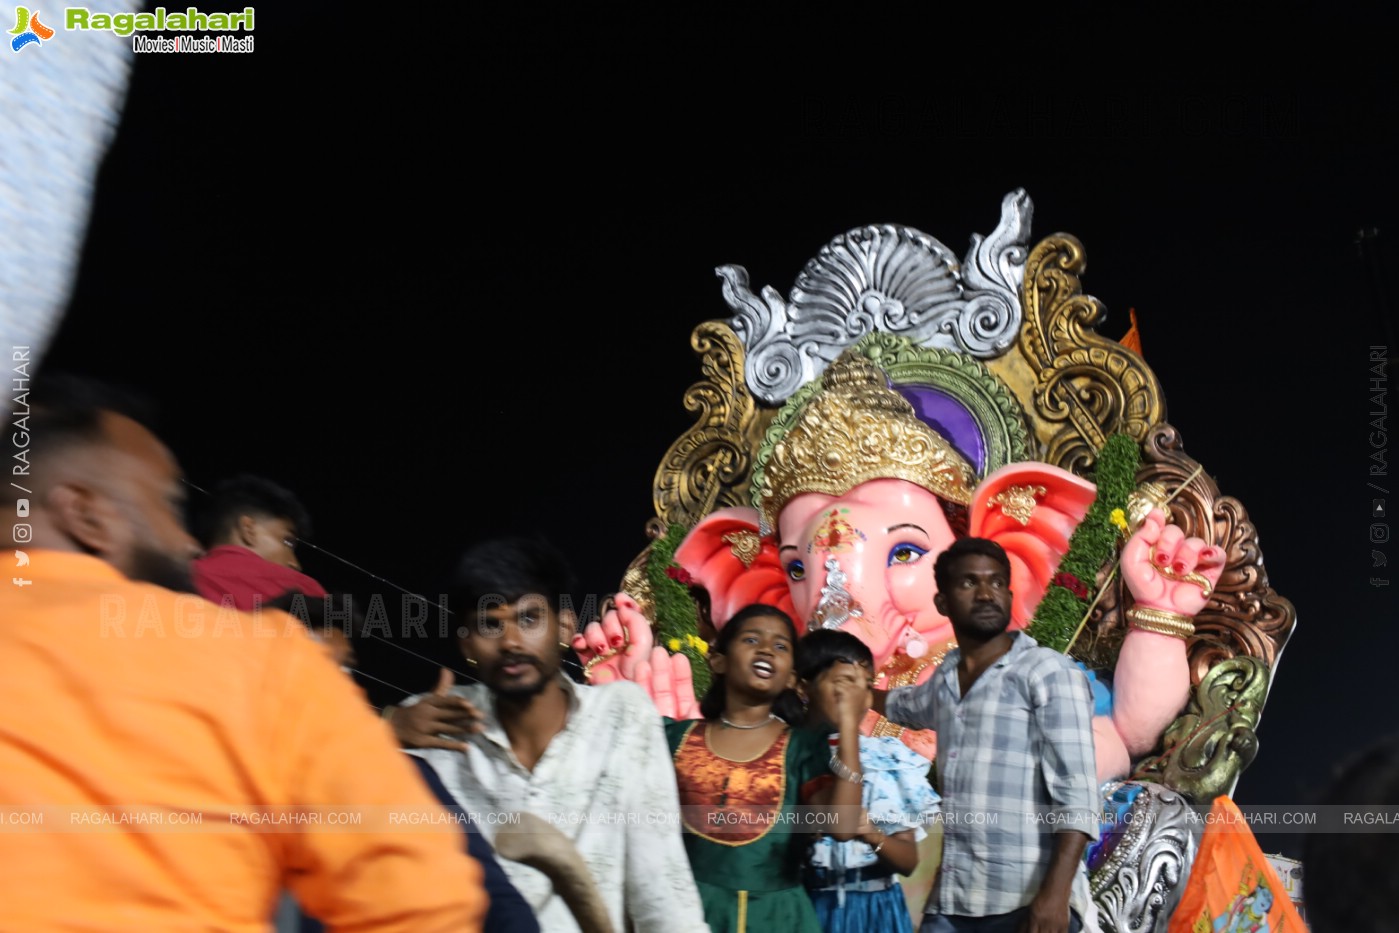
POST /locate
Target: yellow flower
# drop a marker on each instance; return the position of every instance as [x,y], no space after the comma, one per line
[674,644]
[1119,518]
[700,644]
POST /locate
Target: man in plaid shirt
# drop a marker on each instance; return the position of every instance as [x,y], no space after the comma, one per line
[1015,761]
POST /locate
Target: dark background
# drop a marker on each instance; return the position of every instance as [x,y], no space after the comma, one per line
[446,292]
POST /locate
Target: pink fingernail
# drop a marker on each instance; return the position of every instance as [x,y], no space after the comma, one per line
[1207,552]
[1179,566]
[616,641]
[1162,559]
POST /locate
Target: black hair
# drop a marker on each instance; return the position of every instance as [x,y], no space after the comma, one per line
[819,648]
[247,494]
[507,569]
[787,705]
[63,409]
[1348,875]
[961,548]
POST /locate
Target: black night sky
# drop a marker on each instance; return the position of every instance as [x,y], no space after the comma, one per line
[448,297]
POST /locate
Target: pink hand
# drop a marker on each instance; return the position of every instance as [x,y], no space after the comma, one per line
[671,684]
[622,641]
[1166,570]
[626,646]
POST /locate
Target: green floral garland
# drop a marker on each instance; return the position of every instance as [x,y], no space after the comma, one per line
[677,622]
[1091,546]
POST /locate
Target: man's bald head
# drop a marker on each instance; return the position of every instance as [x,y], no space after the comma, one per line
[102,483]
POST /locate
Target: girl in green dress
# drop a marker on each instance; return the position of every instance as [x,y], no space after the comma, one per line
[752,788]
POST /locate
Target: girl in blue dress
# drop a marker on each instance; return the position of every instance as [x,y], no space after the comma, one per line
[854,885]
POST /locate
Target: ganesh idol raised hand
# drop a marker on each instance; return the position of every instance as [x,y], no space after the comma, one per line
[1170,577]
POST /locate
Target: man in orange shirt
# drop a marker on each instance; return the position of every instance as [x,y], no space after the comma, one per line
[170,764]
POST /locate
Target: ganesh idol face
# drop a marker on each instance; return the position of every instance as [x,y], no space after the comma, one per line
[883,536]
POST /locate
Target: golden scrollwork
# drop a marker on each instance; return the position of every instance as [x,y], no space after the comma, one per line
[1018,502]
[745,545]
[1244,615]
[635,582]
[1241,630]
[1214,739]
[1084,386]
[710,465]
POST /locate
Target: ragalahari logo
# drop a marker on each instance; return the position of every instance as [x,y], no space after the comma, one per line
[28,30]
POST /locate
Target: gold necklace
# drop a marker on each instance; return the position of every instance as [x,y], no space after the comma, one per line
[883,727]
[756,725]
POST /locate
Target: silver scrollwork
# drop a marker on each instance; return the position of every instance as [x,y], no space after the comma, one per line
[885,278]
[1141,882]
[836,606]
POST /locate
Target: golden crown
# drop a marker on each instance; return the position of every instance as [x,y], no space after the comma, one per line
[854,430]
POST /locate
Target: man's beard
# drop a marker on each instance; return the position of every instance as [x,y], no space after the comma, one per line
[151,566]
[522,691]
[987,625]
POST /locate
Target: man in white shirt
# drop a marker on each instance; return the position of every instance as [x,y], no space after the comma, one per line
[590,760]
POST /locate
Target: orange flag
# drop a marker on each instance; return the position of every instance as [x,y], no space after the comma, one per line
[1232,887]
[1132,340]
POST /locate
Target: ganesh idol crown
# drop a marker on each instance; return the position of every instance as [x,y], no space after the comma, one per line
[858,429]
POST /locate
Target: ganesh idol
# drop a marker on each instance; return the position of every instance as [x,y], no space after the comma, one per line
[854,503]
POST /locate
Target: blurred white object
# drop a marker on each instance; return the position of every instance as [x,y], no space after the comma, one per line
[1290,873]
[60,102]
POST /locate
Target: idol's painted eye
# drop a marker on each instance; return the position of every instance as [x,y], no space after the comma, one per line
[906,554]
[796,570]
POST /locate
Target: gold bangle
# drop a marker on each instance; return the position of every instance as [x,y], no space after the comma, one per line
[606,656]
[588,667]
[883,839]
[1160,621]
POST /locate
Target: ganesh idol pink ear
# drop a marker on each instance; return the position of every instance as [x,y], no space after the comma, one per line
[724,554]
[1030,509]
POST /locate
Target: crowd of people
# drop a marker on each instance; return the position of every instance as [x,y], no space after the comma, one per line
[144,686]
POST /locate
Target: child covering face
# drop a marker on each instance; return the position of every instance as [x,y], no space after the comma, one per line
[853,884]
